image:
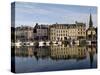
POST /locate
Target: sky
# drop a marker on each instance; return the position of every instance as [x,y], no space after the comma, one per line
[29,14]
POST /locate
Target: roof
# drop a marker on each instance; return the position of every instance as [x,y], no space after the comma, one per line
[24,28]
[68,25]
[41,27]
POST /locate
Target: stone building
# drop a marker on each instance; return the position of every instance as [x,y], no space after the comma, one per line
[41,32]
[24,34]
[66,31]
[91,31]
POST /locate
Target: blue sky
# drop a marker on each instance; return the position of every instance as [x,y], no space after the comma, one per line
[32,13]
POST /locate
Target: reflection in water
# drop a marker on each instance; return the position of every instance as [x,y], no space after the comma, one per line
[91,51]
[55,57]
[73,52]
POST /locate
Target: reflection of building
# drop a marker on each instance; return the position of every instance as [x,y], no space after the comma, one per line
[24,51]
[58,52]
[65,31]
[24,33]
[42,52]
[39,52]
[91,31]
[92,50]
[40,32]
[62,52]
[53,52]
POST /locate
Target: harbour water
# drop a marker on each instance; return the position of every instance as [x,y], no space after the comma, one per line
[55,57]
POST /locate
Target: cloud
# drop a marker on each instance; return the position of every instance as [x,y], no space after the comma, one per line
[81,18]
[46,13]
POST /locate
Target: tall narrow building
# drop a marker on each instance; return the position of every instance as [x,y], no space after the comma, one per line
[91,31]
[90,21]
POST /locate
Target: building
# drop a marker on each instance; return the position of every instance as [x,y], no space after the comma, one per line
[24,34]
[58,32]
[91,32]
[41,32]
[66,31]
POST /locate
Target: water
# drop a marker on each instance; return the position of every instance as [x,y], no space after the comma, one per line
[54,57]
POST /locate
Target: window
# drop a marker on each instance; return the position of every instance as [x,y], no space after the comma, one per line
[52,38]
[78,32]
[63,34]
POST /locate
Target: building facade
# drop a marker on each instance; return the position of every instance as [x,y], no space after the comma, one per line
[66,31]
[41,32]
[24,34]
[91,32]
[56,32]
